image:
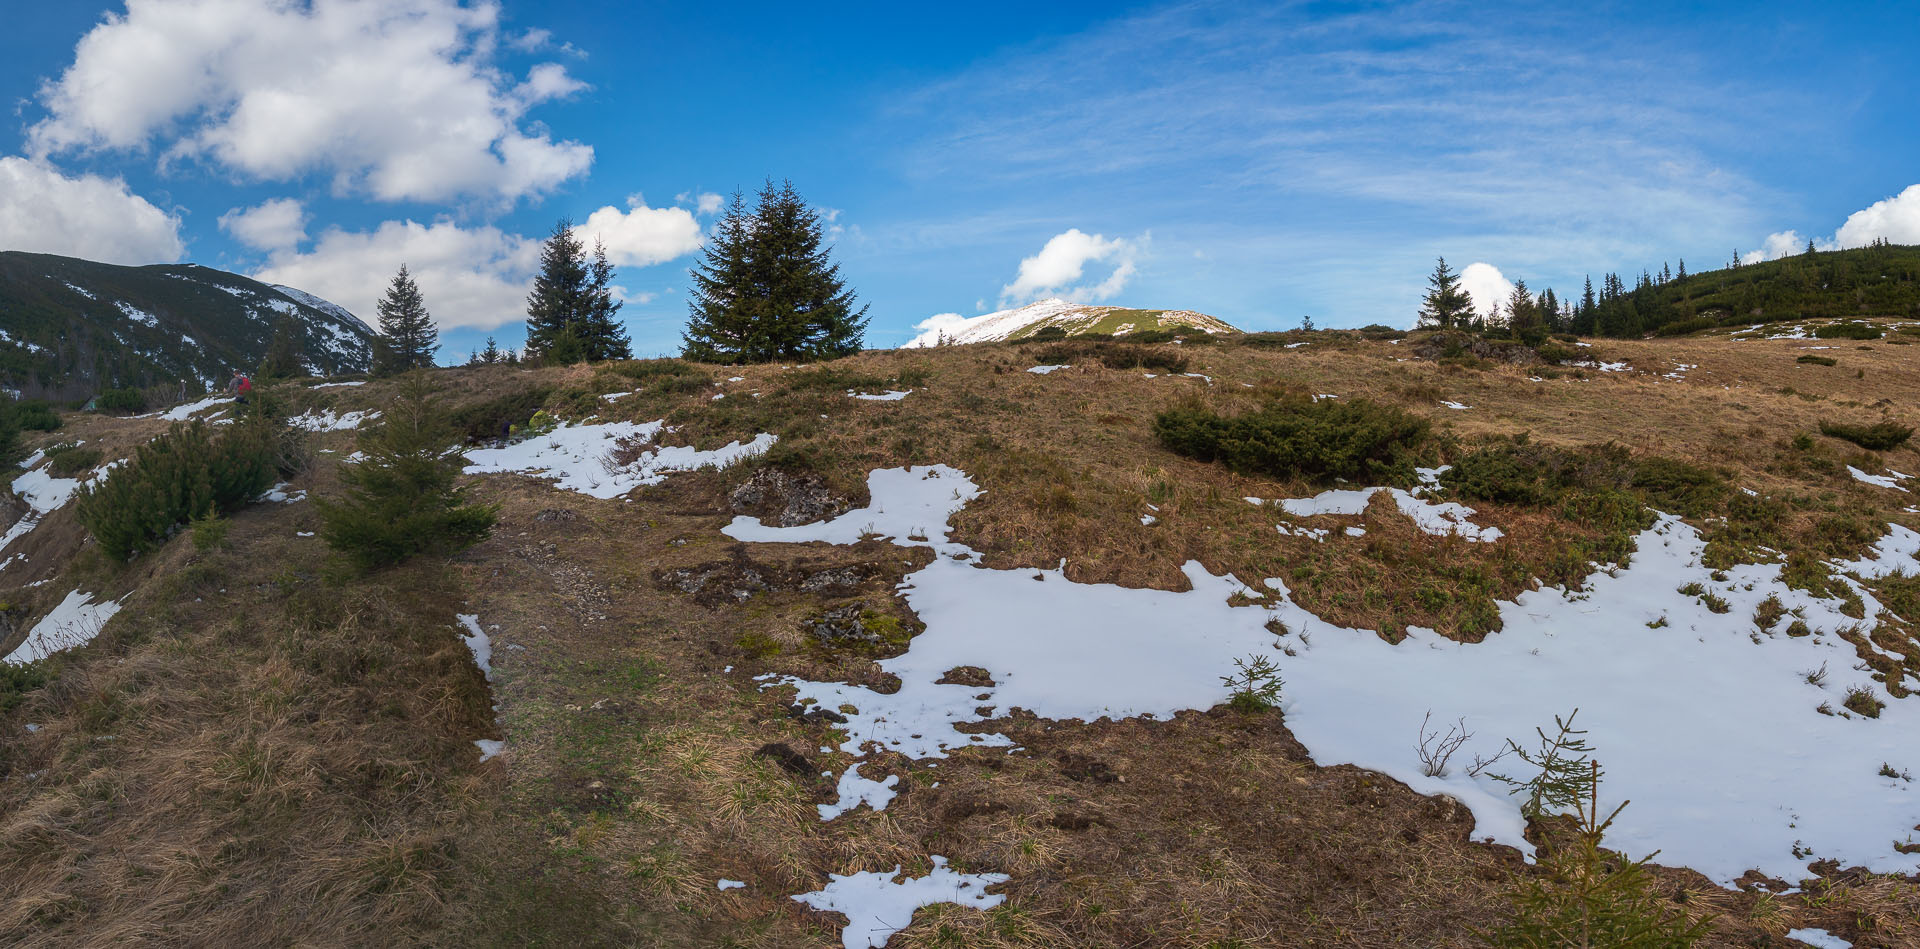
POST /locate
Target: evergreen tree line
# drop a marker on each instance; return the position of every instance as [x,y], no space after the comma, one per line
[1879,279]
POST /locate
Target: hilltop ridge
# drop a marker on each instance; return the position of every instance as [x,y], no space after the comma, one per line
[1074,319]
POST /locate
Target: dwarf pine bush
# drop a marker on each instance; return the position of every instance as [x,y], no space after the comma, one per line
[1353,439]
[183,474]
[401,500]
[1883,435]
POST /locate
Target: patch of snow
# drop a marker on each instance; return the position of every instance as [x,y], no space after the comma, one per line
[1878,481]
[888,396]
[477,643]
[181,413]
[1439,518]
[1295,345]
[278,494]
[1819,939]
[1043,370]
[1324,395]
[580,457]
[80,290]
[73,623]
[326,421]
[876,906]
[1147,519]
[910,506]
[490,748]
[617,396]
[856,790]
[331,385]
[1454,405]
[136,314]
[726,884]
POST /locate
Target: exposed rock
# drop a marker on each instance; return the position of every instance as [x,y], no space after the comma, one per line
[1438,345]
[789,760]
[787,500]
[724,582]
[967,675]
[555,514]
[842,625]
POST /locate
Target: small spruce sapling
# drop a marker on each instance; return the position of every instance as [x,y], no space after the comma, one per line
[1257,686]
[1562,762]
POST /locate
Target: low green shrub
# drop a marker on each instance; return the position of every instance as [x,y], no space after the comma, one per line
[1354,439]
[402,500]
[29,416]
[1813,360]
[123,401]
[647,370]
[65,461]
[1848,331]
[1556,354]
[1879,436]
[181,474]
[1117,355]
[1683,327]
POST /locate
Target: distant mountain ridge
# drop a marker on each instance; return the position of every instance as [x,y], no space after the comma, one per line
[71,327]
[1075,318]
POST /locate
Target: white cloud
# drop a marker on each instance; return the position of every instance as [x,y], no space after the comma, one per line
[1897,219]
[471,277]
[47,212]
[1063,261]
[706,202]
[642,236]
[1486,285]
[279,224]
[398,100]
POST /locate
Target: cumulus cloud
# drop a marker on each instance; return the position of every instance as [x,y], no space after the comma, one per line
[1060,264]
[1486,285]
[1896,219]
[45,211]
[471,277]
[706,202]
[397,100]
[642,236]
[278,224]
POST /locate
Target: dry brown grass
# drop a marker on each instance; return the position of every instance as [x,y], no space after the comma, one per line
[257,753]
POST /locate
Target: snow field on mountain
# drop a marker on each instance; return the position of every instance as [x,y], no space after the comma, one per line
[579,457]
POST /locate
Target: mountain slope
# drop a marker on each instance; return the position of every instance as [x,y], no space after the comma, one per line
[1075,318]
[71,327]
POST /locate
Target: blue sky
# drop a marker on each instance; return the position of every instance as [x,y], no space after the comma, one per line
[1259,162]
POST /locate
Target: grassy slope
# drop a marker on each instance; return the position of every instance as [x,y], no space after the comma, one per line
[1868,281]
[262,751]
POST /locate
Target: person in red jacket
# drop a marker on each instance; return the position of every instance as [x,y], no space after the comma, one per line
[241,387]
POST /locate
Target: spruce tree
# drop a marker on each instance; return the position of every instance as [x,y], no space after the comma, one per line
[766,289]
[283,356]
[1446,303]
[491,354]
[405,327]
[601,335]
[401,499]
[561,297]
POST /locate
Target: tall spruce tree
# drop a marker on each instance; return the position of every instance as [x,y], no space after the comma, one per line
[766,290]
[600,332]
[408,338]
[1446,303]
[561,300]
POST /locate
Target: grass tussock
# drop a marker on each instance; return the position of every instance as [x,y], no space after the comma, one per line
[1883,435]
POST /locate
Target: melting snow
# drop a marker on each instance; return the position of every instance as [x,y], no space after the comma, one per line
[74,622]
[1454,405]
[1437,518]
[478,643]
[330,385]
[181,413]
[1708,724]
[279,494]
[1819,939]
[876,906]
[1878,481]
[579,457]
[726,884]
[1043,370]
[888,396]
[326,421]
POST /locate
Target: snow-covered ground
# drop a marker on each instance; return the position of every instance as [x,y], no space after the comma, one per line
[326,421]
[1046,370]
[1440,518]
[181,413]
[580,457]
[877,905]
[952,328]
[1734,747]
[74,622]
[890,395]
